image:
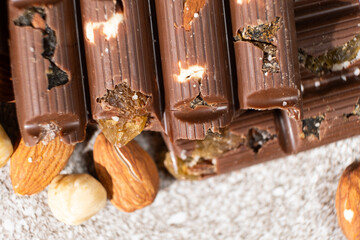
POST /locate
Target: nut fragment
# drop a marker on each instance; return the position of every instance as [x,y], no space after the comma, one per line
[348,200]
[128,174]
[33,168]
[6,147]
[75,198]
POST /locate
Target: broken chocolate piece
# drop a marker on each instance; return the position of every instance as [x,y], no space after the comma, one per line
[46,71]
[266,55]
[196,67]
[124,87]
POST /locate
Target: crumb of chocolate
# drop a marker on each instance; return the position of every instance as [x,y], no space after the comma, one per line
[35,17]
[191,11]
[129,115]
[311,126]
[262,36]
[332,60]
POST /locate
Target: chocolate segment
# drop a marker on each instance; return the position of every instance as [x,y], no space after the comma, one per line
[266,55]
[46,71]
[256,137]
[124,88]
[329,42]
[196,68]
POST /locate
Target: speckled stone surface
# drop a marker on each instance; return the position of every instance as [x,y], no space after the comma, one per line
[289,198]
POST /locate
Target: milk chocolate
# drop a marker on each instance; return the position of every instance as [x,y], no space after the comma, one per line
[196,67]
[46,71]
[266,55]
[331,102]
[124,87]
[328,36]
[256,136]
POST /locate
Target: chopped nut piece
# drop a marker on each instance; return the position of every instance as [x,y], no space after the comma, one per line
[332,60]
[6,147]
[191,8]
[311,126]
[75,198]
[200,163]
[262,36]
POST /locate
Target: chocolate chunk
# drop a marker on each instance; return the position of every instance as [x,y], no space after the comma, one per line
[46,71]
[196,67]
[124,87]
[266,58]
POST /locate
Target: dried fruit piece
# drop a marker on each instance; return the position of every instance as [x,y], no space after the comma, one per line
[33,168]
[6,147]
[348,200]
[75,198]
[128,174]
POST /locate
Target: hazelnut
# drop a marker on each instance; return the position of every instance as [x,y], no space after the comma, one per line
[6,147]
[75,198]
[348,201]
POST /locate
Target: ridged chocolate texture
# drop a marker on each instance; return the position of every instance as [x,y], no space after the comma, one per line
[266,55]
[328,117]
[322,27]
[46,71]
[119,49]
[196,68]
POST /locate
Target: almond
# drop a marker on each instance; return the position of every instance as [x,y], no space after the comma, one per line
[128,174]
[33,168]
[348,201]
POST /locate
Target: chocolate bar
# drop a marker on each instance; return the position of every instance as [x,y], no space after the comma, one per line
[331,106]
[6,91]
[124,87]
[266,55]
[46,70]
[330,45]
[196,67]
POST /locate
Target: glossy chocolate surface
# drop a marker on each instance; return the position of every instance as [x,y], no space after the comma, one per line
[266,55]
[196,68]
[44,49]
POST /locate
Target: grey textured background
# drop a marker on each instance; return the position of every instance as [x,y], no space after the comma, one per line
[289,198]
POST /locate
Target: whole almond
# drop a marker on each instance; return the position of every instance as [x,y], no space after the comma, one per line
[348,201]
[33,168]
[128,174]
